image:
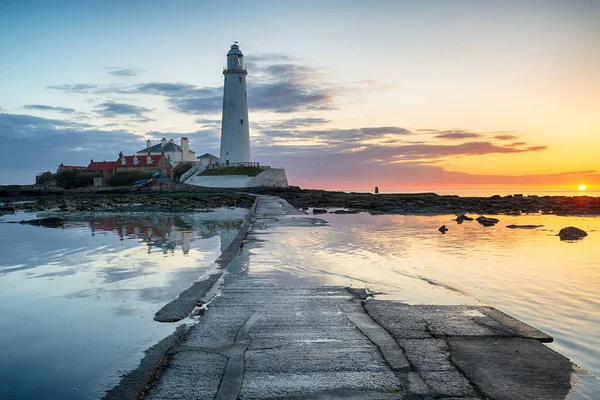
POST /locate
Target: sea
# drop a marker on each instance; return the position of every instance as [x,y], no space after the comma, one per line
[77,303]
[488,193]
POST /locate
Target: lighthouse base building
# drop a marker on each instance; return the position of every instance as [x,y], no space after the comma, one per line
[235,166]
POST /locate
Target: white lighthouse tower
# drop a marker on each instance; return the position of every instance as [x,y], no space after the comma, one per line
[235,132]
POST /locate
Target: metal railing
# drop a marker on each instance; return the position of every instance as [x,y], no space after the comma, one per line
[236,164]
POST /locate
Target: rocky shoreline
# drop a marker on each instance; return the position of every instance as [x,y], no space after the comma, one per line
[172,197]
[431,203]
[163,198]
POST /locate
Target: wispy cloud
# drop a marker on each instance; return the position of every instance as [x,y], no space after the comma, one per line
[209,121]
[457,134]
[506,137]
[125,72]
[77,88]
[42,107]
[112,110]
[278,84]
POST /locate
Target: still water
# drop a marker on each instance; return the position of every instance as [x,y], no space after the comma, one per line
[77,304]
[530,274]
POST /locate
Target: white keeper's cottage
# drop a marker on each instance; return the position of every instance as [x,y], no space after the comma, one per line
[175,153]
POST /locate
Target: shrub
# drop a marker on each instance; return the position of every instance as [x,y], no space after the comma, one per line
[181,169]
[248,171]
[44,178]
[127,178]
[75,179]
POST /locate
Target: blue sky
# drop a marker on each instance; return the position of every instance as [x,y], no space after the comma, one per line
[428,94]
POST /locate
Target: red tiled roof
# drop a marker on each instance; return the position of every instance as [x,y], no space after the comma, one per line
[142,161]
[101,165]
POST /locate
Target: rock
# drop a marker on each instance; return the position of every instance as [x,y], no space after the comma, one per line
[571,233]
[485,221]
[8,209]
[319,211]
[524,226]
[443,229]
[344,212]
[461,218]
[47,222]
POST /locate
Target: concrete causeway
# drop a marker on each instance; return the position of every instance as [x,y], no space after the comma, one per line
[262,340]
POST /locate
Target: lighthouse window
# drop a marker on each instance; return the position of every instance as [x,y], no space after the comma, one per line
[240,78]
[242,121]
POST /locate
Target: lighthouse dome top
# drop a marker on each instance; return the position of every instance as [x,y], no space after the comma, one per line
[235,51]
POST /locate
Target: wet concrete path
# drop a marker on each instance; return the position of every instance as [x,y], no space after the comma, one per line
[264,340]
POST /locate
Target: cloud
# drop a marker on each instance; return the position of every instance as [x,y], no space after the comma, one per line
[277,83]
[268,58]
[458,134]
[284,91]
[126,72]
[505,137]
[111,110]
[209,121]
[77,88]
[12,122]
[292,123]
[417,167]
[34,144]
[289,96]
[314,156]
[41,107]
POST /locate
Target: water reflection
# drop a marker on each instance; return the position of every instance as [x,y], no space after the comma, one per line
[167,233]
[77,304]
[530,274]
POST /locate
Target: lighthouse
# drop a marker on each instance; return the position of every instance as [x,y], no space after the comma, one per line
[235,131]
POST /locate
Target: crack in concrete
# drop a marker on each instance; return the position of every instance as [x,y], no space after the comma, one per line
[387,346]
[231,382]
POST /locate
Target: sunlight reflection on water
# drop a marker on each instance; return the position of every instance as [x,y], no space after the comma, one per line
[530,274]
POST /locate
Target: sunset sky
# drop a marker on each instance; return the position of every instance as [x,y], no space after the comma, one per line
[418,95]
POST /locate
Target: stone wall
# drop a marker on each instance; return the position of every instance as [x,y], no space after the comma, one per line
[222,181]
[272,177]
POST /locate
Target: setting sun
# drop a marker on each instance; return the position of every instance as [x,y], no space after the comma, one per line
[582,187]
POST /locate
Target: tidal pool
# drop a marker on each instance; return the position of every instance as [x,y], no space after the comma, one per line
[77,303]
[530,274]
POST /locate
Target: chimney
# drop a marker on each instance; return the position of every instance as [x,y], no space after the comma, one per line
[163,142]
[92,161]
[120,154]
[185,149]
[148,144]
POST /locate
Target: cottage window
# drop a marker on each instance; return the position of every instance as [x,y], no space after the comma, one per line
[136,161]
[123,161]
[149,160]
